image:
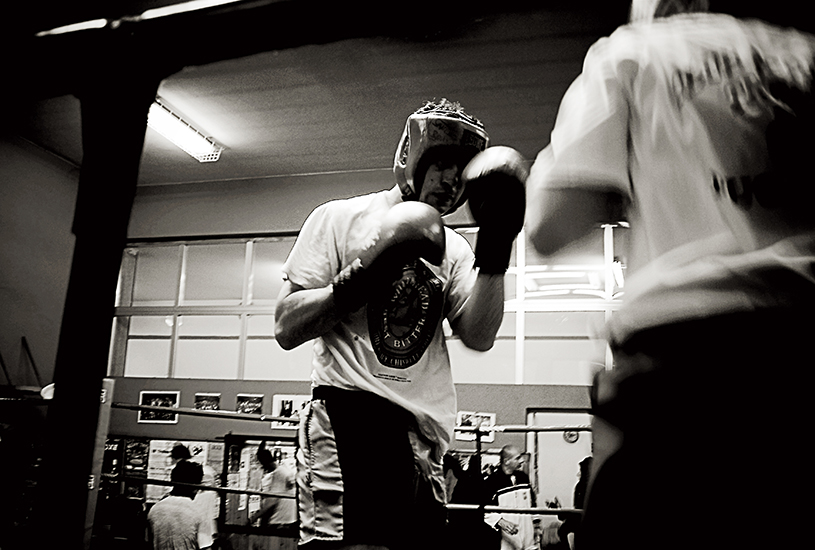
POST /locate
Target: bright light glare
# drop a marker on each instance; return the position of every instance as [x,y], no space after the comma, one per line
[190,140]
[184,7]
[85,25]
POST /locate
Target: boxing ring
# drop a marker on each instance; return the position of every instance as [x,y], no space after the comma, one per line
[478,431]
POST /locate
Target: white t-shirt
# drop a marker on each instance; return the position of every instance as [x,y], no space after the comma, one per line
[207,504]
[402,356]
[175,523]
[516,496]
[672,116]
[281,481]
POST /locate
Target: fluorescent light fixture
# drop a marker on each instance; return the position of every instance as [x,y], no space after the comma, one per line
[185,7]
[85,25]
[167,123]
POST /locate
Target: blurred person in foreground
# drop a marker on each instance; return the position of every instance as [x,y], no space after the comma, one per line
[696,127]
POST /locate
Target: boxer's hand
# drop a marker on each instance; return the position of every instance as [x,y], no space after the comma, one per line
[507,527]
[495,180]
[411,230]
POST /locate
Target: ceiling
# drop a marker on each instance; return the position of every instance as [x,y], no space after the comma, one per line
[296,87]
[303,86]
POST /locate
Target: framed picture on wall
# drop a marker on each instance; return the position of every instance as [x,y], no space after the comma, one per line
[471,419]
[167,399]
[288,406]
[249,403]
[208,401]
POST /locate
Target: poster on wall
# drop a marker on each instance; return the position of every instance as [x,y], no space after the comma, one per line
[288,406]
[250,403]
[207,401]
[159,399]
[472,419]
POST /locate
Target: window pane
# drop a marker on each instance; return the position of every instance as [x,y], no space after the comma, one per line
[261,326]
[208,347]
[568,323]
[156,280]
[147,358]
[151,325]
[148,347]
[267,269]
[207,359]
[214,274]
[496,366]
[562,362]
[194,326]
[508,326]
[266,360]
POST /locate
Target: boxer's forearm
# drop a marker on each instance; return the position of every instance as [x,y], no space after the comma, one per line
[304,314]
[478,324]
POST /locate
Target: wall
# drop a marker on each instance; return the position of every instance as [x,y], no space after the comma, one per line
[510,403]
[264,205]
[37,196]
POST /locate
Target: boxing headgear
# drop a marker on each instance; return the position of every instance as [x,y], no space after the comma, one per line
[436,124]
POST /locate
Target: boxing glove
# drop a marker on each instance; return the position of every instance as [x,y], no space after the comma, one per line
[410,230]
[495,185]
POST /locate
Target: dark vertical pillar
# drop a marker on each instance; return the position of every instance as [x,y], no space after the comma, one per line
[115,100]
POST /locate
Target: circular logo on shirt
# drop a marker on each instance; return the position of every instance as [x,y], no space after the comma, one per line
[403,321]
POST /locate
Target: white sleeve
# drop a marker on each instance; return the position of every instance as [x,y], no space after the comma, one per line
[589,143]
[314,259]
[492,519]
[462,274]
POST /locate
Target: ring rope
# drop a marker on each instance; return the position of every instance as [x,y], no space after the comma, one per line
[268,418]
[449,506]
[512,428]
[150,481]
[489,508]
[232,415]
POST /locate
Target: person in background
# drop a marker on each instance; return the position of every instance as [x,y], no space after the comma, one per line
[509,486]
[207,504]
[466,528]
[696,128]
[174,522]
[279,513]
[370,280]
[178,453]
[555,535]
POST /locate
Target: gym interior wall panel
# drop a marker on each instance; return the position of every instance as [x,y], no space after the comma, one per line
[510,403]
[37,196]
[262,205]
[124,422]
